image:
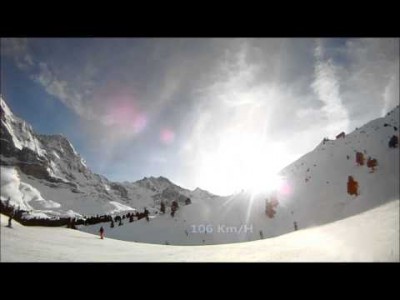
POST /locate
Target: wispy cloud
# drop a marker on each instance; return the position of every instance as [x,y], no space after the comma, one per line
[62,90]
[18,48]
[370,77]
[327,88]
[203,108]
[391,93]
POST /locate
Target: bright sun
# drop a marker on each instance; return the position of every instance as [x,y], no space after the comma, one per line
[242,162]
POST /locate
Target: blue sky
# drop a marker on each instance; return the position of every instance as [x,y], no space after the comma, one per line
[221,114]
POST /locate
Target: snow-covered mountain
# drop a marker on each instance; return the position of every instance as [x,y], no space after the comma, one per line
[316,184]
[313,192]
[44,174]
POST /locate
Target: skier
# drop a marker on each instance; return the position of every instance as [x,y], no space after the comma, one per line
[174,208]
[162,208]
[360,158]
[9,221]
[393,142]
[101,232]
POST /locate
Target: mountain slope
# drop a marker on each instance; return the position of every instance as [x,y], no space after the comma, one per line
[313,192]
[44,174]
[341,241]
[38,167]
[318,181]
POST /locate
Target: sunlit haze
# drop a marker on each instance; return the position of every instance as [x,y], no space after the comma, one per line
[224,115]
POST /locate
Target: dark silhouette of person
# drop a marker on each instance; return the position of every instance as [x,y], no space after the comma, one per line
[174,208]
[393,142]
[9,221]
[101,232]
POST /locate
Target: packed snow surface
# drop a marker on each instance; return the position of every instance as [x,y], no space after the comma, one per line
[371,236]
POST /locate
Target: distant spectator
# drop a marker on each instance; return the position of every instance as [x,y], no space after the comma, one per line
[9,221]
[174,207]
[162,207]
[394,141]
[101,232]
[372,163]
[360,158]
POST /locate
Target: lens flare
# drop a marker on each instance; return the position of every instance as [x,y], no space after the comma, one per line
[127,119]
[167,136]
[285,188]
[139,123]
